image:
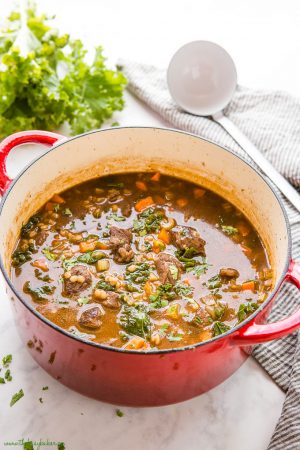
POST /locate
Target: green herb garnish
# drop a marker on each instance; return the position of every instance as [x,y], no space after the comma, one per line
[49,255]
[140,275]
[86,258]
[7,375]
[20,257]
[174,337]
[68,212]
[186,256]
[28,445]
[229,230]
[83,301]
[6,360]
[245,310]
[16,397]
[39,293]
[119,413]
[32,222]
[220,328]
[183,290]
[148,221]
[200,269]
[102,284]
[116,218]
[214,282]
[135,320]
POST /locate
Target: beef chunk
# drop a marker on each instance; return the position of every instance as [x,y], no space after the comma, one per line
[112,300]
[120,240]
[126,209]
[91,318]
[73,287]
[187,237]
[41,237]
[229,273]
[168,268]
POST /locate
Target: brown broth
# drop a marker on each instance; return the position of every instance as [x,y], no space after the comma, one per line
[54,239]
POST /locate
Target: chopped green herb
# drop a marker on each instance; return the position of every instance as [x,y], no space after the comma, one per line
[174,337]
[20,257]
[115,124]
[116,218]
[68,212]
[163,328]
[86,258]
[6,360]
[199,269]
[16,397]
[214,282]
[102,284]
[28,445]
[83,301]
[38,293]
[45,388]
[56,207]
[183,290]
[7,375]
[186,257]
[135,320]
[148,221]
[30,225]
[40,276]
[2,381]
[61,446]
[197,320]
[119,413]
[140,275]
[41,400]
[220,328]
[163,294]
[49,255]
[229,230]
[245,310]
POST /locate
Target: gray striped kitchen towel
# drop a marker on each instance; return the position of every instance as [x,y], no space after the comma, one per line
[271,120]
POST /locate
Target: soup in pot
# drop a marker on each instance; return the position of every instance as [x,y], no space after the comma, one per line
[141,261]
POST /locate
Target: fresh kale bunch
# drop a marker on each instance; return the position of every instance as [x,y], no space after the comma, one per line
[45,80]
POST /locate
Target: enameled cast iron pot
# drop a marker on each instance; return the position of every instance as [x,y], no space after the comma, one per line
[139,378]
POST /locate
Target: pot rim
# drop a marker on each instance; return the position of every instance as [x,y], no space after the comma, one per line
[162,351]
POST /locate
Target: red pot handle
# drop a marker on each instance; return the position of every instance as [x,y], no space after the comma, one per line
[256,334]
[24,137]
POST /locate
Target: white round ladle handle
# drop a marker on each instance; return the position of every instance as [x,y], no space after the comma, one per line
[285,187]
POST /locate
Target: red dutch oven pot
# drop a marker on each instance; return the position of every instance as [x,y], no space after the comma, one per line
[138,378]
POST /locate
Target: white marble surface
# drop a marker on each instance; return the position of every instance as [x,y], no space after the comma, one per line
[242,412]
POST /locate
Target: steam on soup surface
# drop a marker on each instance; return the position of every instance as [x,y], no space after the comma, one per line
[141,261]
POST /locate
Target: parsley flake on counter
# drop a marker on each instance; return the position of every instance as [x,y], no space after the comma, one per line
[119,413]
[6,360]
[16,397]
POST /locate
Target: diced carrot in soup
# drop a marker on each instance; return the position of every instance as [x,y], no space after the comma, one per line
[144,203]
